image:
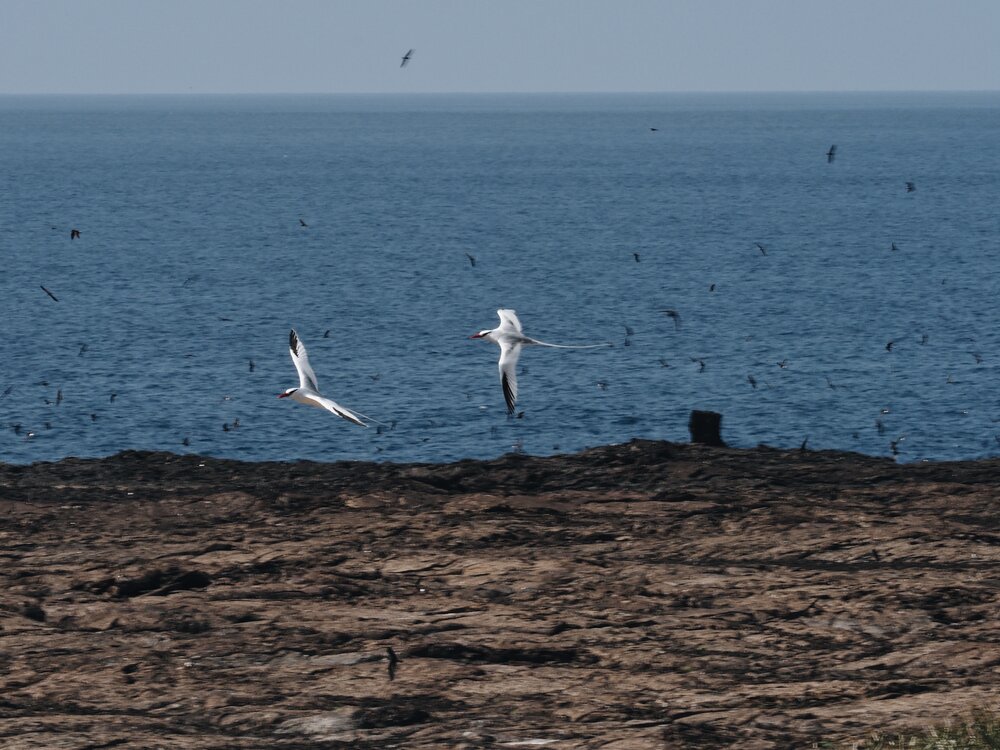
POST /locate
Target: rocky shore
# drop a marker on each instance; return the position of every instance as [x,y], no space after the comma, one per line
[646,595]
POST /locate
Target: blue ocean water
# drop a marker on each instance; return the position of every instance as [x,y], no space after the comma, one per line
[192,262]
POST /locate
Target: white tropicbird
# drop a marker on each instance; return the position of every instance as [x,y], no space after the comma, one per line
[308,390]
[510,339]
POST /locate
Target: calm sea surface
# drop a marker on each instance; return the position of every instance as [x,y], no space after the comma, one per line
[192,262]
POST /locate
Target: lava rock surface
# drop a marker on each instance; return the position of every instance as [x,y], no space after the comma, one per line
[637,596]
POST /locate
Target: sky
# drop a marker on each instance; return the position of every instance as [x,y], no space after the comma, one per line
[342,46]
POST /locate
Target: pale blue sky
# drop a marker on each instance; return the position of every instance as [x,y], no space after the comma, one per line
[250,46]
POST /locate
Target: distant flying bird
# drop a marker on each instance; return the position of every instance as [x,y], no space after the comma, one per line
[406,58]
[888,347]
[654,129]
[74,234]
[509,337]
[782,364]
[83,348]
[663,362]
[752,381]
[472,259]
[308,391]
[923,339]
[302,223]
[54,297]
[326,334]
[253,366]
[712,288]
[763,250]
[59,397]
[602,384]
[636,256]
[978,356]
[675,316]
[831,154]
[699,362]
[910,187]
[113,397]
[894,248]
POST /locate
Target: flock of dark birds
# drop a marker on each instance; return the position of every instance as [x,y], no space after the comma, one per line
[510,327]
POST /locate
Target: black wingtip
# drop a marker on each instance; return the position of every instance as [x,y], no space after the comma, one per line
[508,395]
[293,340]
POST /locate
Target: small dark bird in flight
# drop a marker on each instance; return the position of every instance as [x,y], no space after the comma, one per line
[712,288]
[83,348]
[654,129]
[74,234]
[763,250]
[376,376]
[253,366]
[830,383]
[302,223]
[752,381]
[113,397]
[472,259]
[326,334]
[805,442]
[923,339]
[888,347]
[406,58]
[54,297]
[59,397]
[675,316]
[393,660]
[636,256]
[894,248]
[225,427]
[831,154]
[978,356]
[93,417]
[782,364]
[701,363]
[910,187]
[663,362]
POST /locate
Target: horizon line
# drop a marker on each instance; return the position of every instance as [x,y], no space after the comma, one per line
[728,92]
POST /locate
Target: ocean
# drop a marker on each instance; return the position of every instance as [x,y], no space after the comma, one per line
[816,301]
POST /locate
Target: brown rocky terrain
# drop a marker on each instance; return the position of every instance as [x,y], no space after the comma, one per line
[640,596]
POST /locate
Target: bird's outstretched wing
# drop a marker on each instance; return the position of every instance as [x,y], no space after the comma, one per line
[332,406]
[509,354]
[307,378]
[509,321]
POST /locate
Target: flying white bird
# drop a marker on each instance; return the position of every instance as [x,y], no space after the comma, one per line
[308,390]
[510,339]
